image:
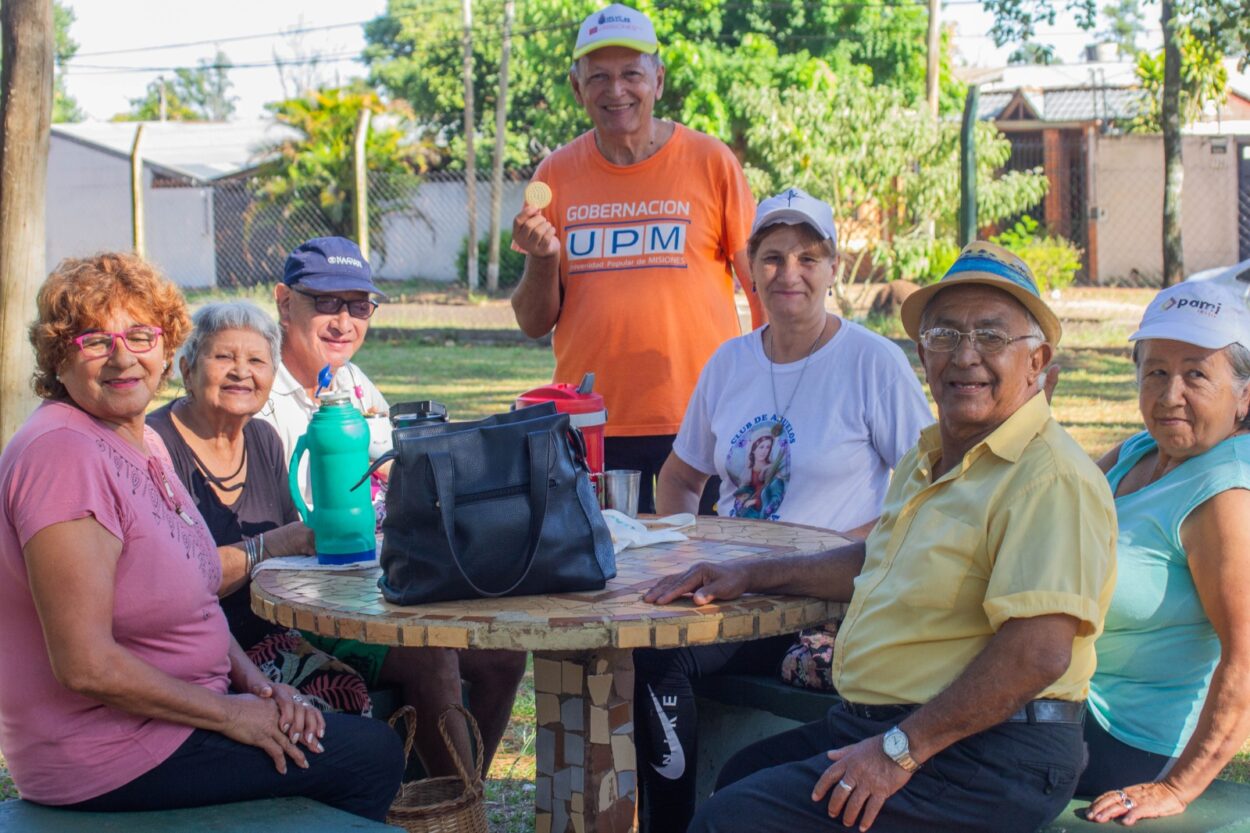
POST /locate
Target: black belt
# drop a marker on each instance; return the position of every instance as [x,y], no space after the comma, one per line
[1035,711]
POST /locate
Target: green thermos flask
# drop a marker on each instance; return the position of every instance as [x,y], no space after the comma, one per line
[337,443]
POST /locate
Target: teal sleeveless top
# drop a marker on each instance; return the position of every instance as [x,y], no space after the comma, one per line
[1158,650]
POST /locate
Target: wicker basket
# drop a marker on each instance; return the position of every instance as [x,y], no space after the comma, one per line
[449,804]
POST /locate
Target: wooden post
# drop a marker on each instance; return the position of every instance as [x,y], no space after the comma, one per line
[470,160]
[360,201]
[501,134]
[968,168]
[25,119]
[933,57]
[1173,167]
[136,193]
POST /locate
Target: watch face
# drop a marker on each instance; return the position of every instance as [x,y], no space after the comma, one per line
[894,743]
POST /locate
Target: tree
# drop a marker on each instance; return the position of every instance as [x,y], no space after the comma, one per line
[309,189]
[1220,23]
[64,106]
[885,168]
[1033,52]
[709,46]
[1204,83]
[199,94]
[1125,24]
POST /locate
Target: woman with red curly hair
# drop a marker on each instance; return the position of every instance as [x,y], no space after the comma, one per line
[120,686]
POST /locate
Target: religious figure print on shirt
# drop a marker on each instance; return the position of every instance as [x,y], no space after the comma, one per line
[758,465]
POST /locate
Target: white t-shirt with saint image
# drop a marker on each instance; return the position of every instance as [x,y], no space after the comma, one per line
[823,459]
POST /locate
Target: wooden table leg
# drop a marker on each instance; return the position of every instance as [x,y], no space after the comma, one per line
[587,777]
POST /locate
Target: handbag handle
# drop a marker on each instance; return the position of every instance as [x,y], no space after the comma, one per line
[443,469]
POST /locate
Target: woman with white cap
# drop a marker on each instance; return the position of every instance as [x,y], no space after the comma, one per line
[1169,705]
[803,421]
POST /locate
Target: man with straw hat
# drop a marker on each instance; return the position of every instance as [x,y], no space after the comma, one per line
[967,649]
[632,253]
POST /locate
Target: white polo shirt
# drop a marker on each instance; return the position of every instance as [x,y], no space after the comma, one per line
[290,409]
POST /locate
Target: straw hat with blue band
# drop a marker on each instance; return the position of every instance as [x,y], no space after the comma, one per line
[989,265]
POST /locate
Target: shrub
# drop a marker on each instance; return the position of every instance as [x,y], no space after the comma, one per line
[917,259]
[1053,259]
[511,263]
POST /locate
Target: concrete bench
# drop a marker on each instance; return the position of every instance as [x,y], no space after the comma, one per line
[738,710]
[275,815]
[1223,808]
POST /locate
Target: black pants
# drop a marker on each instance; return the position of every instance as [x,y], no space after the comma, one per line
[647,455]
[359,772]
[1012,778]
[1114,764]
[665,720]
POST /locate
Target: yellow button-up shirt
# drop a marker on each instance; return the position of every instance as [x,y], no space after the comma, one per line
[1024,526]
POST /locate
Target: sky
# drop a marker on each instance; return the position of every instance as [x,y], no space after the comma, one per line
[148,38]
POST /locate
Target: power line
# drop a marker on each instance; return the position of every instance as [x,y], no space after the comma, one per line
[215,41]
[94,69]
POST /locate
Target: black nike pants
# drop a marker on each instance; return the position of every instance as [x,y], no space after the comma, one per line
[665,720]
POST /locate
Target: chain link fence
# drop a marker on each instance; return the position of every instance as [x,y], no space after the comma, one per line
[1126,207]
[1106,197]
[418,225]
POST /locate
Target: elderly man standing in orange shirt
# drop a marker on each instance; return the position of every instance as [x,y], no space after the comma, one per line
[633,261]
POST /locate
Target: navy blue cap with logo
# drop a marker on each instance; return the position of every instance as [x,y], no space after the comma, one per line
[329,264]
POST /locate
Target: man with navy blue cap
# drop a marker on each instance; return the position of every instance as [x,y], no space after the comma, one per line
[325,301]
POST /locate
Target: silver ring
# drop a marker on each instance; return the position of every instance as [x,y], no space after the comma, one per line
[842,785]
[298,698]
[1129,803]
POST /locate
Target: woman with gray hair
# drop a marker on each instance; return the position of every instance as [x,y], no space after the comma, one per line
[235,470]
[1169,704]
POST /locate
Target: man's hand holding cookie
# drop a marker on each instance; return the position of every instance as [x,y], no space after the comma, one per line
[532,233]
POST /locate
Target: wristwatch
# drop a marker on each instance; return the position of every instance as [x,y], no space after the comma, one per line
[895,744]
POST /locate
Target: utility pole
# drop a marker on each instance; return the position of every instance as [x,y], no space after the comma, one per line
[933,62]
[501,127]
[968,167]
[470,160]
[25,121]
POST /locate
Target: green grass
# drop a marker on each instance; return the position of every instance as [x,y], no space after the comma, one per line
[472,380]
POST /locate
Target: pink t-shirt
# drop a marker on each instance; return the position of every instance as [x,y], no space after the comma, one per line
[63,465]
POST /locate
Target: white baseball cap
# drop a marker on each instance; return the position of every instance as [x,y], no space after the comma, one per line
[617,25]
[795,207]
[1204,313]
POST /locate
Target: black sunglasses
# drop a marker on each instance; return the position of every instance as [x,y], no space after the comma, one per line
[331,304]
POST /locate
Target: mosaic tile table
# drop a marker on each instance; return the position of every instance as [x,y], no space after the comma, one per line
[582,642]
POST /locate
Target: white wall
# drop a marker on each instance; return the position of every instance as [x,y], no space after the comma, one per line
[88,211]
[1127,191]
[180,239]
[88,208]
[425,244]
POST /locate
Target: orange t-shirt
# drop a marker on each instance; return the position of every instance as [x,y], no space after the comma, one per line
[645,271]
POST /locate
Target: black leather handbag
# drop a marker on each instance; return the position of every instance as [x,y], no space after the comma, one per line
[499,507]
